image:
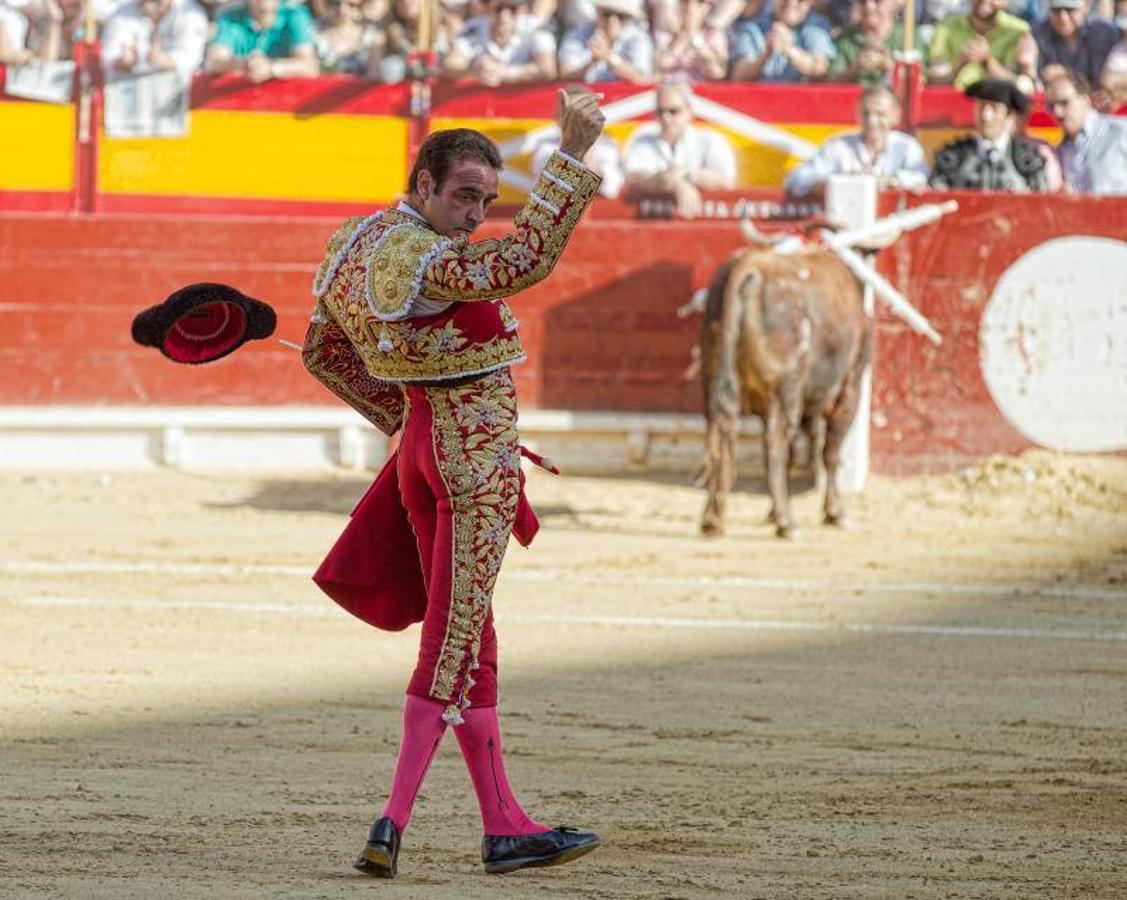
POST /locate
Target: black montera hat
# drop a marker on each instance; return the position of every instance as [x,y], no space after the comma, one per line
[203,322]
[1000,91]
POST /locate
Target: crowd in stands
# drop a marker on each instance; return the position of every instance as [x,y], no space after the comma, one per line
[999,52]
[642,41]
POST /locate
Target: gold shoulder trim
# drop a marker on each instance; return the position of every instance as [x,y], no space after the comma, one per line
[396,267]
[339,245]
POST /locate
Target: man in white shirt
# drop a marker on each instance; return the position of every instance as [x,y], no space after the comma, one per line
[1093,153]
[895,158]
[674,158]
[146,36]
[512,48]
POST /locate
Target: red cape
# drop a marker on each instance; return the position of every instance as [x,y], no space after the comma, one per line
[373,569]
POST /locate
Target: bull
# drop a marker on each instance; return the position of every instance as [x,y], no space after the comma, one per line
[784,337]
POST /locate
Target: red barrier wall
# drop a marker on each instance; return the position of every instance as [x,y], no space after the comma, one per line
[602,332]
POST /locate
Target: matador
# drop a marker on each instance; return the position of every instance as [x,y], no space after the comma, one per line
[411,328]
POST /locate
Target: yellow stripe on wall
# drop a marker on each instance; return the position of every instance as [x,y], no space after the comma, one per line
[264,155]
[37,148]
[758,165]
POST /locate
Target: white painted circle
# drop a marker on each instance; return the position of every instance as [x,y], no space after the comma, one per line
[1053,344]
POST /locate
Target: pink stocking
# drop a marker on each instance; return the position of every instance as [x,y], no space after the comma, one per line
[480,740]
[423,729]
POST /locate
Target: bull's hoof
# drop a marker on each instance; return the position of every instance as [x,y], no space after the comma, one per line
[838,520]
[711,529]
[790,532]
[772,517]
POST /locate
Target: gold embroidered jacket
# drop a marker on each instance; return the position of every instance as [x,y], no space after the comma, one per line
[376,268]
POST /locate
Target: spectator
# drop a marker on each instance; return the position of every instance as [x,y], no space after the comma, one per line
[263,39]
[510,49]
[674,158]
[1113,80]
[1093,153]
[615,47]
[896,159]
[1066,41]
[935,11]
[401,40]
[864,50]
[147,36]
[603,157]
[796,46]
[39,32]
[692,49]
[346,42]
[14,31]
[994,157]
[986,43]
[737,15]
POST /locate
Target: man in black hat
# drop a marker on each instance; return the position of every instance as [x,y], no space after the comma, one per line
[995,157]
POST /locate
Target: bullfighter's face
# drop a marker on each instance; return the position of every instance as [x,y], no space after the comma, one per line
[458,206]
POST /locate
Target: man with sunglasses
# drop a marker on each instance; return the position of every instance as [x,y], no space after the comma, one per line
[672,158]
[615,47]
[1093,153]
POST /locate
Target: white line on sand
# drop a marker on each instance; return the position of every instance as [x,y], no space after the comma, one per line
[327,609]
[1072,591]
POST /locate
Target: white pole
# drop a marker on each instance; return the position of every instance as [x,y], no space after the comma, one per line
[851,202]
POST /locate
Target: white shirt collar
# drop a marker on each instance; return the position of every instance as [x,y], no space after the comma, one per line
[404,206]
[1000,145]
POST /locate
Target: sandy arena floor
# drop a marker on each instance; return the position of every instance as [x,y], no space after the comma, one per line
[933,704]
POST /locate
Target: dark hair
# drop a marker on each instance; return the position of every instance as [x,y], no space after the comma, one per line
[1076,79]
[442,148]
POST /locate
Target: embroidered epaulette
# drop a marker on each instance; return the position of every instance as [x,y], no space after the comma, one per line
[395,268]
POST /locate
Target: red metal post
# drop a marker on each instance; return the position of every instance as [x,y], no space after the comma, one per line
[87,123]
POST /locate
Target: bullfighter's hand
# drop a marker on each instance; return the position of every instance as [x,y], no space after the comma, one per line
[581,122]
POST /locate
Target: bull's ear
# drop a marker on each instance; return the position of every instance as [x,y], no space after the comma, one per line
[203,322]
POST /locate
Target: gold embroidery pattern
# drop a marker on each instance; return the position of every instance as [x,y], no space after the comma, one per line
[331,359]
[395,266]
[499,268]
[478,457]
[432,352]
[335,245]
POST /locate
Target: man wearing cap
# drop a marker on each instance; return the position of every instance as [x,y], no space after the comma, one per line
[410,326]
[1093,153]
[1067,39]
[615,47]
[510,49]
[994,157]
[987,42]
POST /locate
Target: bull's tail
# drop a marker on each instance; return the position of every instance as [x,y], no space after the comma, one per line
[728,302]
